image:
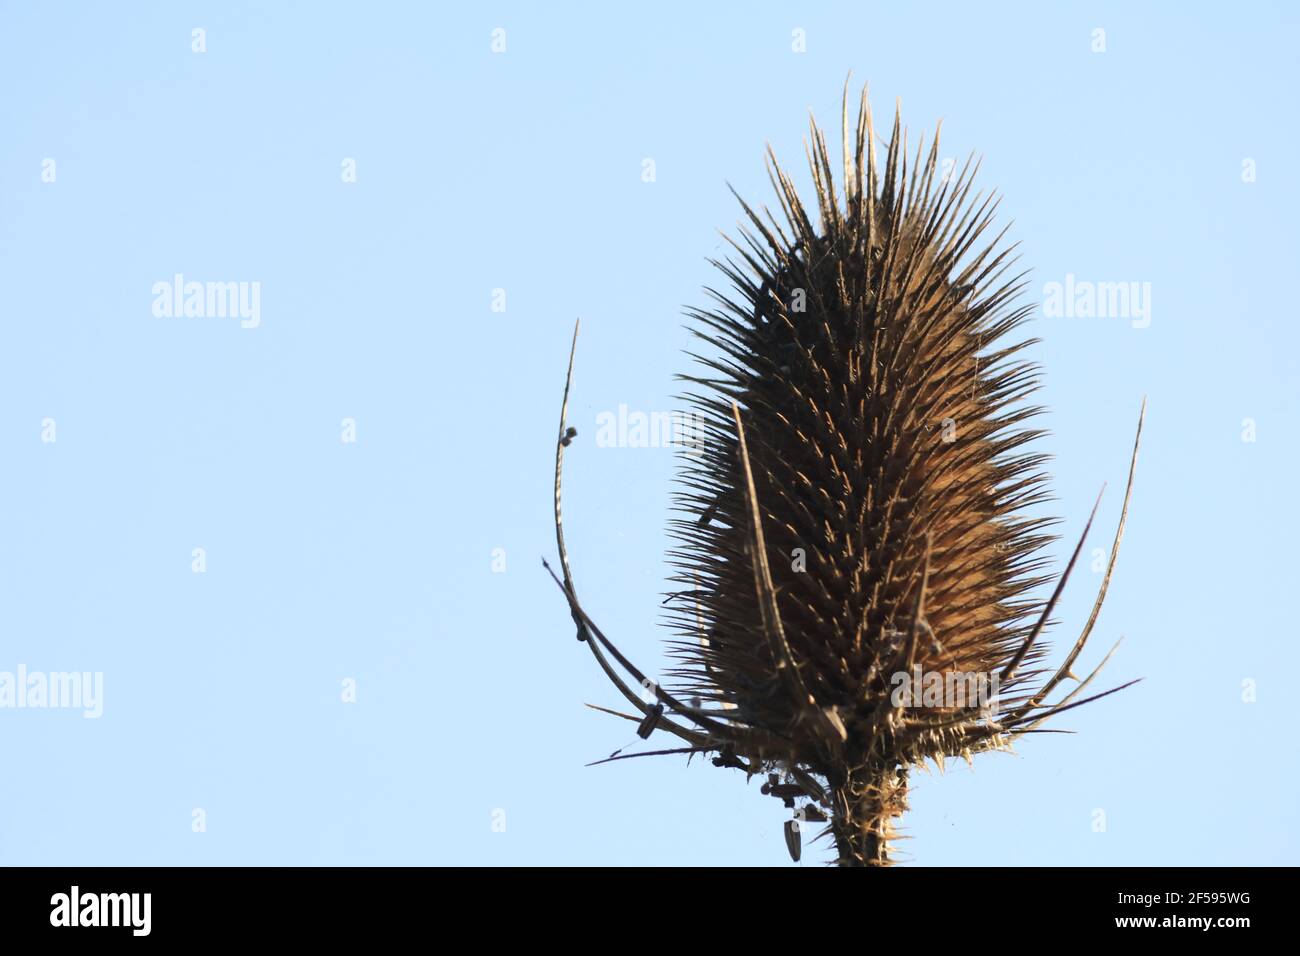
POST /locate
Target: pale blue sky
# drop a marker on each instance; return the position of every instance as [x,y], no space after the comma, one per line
[522,170]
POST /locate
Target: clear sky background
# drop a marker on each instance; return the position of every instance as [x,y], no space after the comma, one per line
[373,560]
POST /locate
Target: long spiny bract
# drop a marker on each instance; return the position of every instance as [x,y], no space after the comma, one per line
[864,516]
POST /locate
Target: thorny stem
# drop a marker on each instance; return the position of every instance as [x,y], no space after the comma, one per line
[865,802]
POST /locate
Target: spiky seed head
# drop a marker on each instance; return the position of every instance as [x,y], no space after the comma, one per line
[882,406]
[856,517]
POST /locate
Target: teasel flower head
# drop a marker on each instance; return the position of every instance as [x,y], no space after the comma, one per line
[859,574]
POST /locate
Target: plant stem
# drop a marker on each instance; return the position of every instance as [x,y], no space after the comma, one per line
[865,802]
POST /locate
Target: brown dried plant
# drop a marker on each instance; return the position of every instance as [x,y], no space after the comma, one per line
[857,507]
